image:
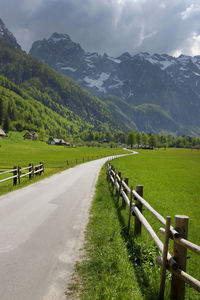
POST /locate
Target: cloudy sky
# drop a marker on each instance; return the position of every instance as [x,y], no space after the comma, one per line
[111,26]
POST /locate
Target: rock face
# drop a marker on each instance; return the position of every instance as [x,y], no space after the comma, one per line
[7,35]
[161,81]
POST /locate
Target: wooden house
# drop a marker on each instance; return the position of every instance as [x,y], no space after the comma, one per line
[31,136]
[2,133]
[59,142]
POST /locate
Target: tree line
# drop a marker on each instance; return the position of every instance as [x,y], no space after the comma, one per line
[144,140]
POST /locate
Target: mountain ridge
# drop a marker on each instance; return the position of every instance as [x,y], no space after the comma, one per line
[7,35]
[74,111]
[158,79]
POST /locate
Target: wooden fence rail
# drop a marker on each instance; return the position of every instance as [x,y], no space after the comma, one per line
[17,172]
[176,264]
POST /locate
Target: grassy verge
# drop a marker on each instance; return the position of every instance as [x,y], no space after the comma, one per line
[106,270]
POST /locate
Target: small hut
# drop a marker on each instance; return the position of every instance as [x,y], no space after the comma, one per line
[2,133]
[59,142]
[31,136]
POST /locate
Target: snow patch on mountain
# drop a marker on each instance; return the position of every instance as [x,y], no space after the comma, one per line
[57,37]
[165,64]
[117,61]
[69,68]
[197,74]
[151,60]
[97,83]
[118,84]
[89,62]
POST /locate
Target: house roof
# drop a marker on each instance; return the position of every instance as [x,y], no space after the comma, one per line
[57,141]
[60,141]
[31,133]
[2,132]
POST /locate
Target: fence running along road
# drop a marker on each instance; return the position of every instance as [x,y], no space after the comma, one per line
[18,173]
[176,264]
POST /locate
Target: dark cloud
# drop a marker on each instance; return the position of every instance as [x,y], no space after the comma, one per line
[112,26]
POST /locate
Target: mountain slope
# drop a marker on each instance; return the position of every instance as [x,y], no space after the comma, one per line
[20,111]
[7,35]
[171,83]
[148,117]
[54,90]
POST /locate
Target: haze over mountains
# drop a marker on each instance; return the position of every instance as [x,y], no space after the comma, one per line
[154,92]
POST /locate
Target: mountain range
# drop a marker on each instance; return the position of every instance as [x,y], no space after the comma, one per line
[33,96]
[150,93]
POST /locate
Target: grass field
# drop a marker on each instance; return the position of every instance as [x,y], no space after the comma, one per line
[15,151]
[171,180]
[119,266]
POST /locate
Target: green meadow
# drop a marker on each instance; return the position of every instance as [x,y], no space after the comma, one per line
[15,151]
[171,180]
[117,265]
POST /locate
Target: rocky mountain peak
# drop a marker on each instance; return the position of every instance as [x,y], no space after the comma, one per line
[57,50]
[7,35]
[124,57]
[57,37]
[155,81]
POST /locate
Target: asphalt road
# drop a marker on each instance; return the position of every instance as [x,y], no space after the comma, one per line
[41,232]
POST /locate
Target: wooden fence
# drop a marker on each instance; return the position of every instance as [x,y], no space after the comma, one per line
[18,173]
[176,264]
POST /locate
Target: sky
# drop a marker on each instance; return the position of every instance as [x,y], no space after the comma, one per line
[110,26]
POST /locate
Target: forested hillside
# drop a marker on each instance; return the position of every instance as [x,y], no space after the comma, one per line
[19,111]
[35,97]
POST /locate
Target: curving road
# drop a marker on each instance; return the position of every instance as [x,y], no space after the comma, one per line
[41,232]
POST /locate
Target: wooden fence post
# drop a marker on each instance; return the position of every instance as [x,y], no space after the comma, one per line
[40,169]
[113,184]
[130,209]
[30,169]
[138,204]
[109,173]
[125,191]
[67,162]
[14,174]
[33,170]
[180,256]
[19,174]
[120,185]
[164,257]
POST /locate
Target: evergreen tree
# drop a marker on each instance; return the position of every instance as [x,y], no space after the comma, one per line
[145,140]
[6,124]
[152,141]
[1,111]
[131,139]
[138,139]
